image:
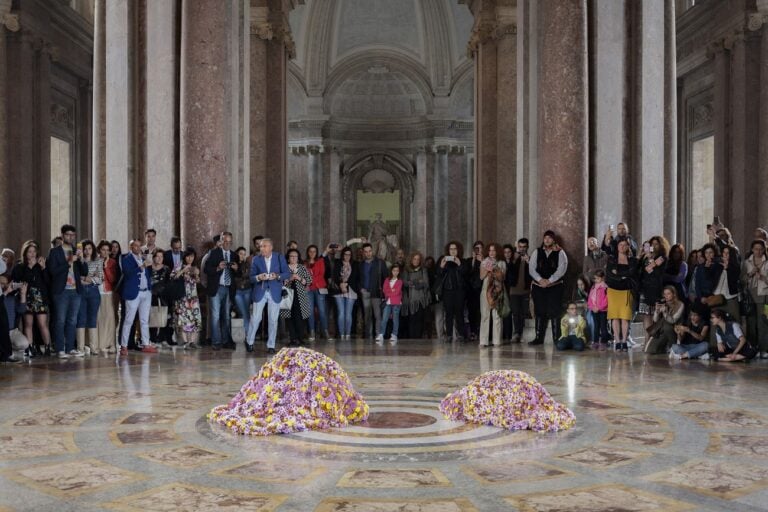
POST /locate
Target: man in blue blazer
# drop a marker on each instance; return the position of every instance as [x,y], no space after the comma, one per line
[65,267]
[137,293]
[268,271]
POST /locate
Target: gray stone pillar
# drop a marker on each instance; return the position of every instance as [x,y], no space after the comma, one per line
[670,122]
[335,200]
[762,171]
[161,119]
[419,233]
[204,134]
[563,128]
[506,125]
[649,130]
[721,121]
[608,90]
[99,125]
[441,204]
[120,183]
[7,21]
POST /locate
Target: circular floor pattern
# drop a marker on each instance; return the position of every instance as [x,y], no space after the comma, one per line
[399,429]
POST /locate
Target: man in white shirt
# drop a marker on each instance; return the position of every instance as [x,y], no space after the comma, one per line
[547,267]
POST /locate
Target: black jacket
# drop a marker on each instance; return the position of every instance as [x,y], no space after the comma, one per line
[621,278]
[214,274]
[58,268]
[454,275]
[353,277]
[379,273]
[513,271]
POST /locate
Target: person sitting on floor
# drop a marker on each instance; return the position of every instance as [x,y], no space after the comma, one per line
[575,326]
[667,314]
[732,345]
[692,337]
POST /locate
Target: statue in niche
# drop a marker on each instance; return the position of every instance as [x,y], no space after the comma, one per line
[384,244]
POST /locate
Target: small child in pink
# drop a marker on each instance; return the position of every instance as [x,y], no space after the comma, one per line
[597,308]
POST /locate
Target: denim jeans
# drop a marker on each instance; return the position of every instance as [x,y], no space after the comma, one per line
[273,313]
[220,306]
[695,350]
[599,327]
[570,342]
[67,307]
[90,300]
[243,305]
[395,312]
[344,308]
[317,299]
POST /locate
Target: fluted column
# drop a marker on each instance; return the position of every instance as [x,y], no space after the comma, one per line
[204,130]
[99,123]
[563,128]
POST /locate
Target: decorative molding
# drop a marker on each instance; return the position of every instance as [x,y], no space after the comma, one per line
[62,116]
[756,20]
[260,25]
[11,22]
[702,116]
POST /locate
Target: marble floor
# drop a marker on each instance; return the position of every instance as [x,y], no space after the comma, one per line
[131,435]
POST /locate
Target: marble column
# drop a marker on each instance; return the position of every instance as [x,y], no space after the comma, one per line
[7,21]
[419,232]
[563,128]
[648,219]
[506,126]
[335,199]
[99,125]
[161,119]
[721,123]
[670,122]
[315,195]
[762,163]
[120,183]
[608,90]
[204,143]
[271,44]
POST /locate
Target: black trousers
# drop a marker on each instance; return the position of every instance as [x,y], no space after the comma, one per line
[6,349]
[416,324]
[518,304]
[548,305]
[473,308]
[453,306]
[296,322]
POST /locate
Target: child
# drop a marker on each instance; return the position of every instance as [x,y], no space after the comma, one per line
[393,293]
[597,307]
[692,337]
[573,326]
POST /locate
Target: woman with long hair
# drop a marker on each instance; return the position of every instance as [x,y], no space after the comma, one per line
[453,271]
[345,277]
[31,270]
[653,261]
[667,314]
[90,299]
[243,287]
[621,278]
[754,276]
[161,274]
[317,292]
[416,296]
[106,325]
[676,271]
[492,273]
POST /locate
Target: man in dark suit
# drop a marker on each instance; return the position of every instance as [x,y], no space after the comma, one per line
[219,268]
[65,267]
[268,271]
[137,293]
[172,258]
[373,272]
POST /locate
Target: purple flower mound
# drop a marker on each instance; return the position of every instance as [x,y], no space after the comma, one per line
[298,389]
[507,399]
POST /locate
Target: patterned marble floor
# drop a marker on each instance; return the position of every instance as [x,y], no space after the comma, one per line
[130,435]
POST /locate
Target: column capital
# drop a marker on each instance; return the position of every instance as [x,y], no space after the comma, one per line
[260,25]
[487,30]
[756,20]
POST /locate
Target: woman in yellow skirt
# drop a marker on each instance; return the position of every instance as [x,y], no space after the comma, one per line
[621,278]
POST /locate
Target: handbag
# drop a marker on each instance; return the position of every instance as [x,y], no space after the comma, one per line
[746,304]
[286,303]
[158,316]
[504,307]
[714,301]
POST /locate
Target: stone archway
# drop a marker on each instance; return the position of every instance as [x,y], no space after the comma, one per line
[378,171]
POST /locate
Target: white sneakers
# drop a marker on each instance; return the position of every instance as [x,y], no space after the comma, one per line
[704,357]
[393,340]
[380,339]
[76,353]
[63,355]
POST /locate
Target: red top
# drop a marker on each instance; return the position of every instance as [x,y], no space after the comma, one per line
[318,274]
[393,292]
[110,274]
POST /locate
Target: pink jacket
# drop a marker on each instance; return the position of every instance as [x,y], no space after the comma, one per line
[598,297]
[393,293]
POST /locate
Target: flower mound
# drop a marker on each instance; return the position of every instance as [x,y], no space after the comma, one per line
[298,389]
[508,399]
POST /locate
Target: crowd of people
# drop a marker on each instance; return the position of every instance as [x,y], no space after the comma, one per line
[88,298]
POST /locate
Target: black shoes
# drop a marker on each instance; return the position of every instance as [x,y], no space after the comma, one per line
[230,345]
[248,348]
[216,347]
[270,350]
[537,341]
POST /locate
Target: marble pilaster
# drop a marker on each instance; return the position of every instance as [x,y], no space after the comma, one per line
[120,183]
[5,8]
[563,130]
[762,163]
[335,200]
[506,126]
[721,121]
[419,232]
[204,143]
[99,132]
[161,118]
[486,138]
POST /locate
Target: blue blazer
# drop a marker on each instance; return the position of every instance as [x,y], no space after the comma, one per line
[132,276]
[58,268]
[260,288]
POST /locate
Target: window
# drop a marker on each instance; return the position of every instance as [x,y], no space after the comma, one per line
[61,182]
[702,189]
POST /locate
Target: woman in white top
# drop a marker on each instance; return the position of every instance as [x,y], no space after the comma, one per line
[90,299]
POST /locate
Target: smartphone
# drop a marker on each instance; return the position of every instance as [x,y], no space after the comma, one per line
[612,227]
[646,247]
